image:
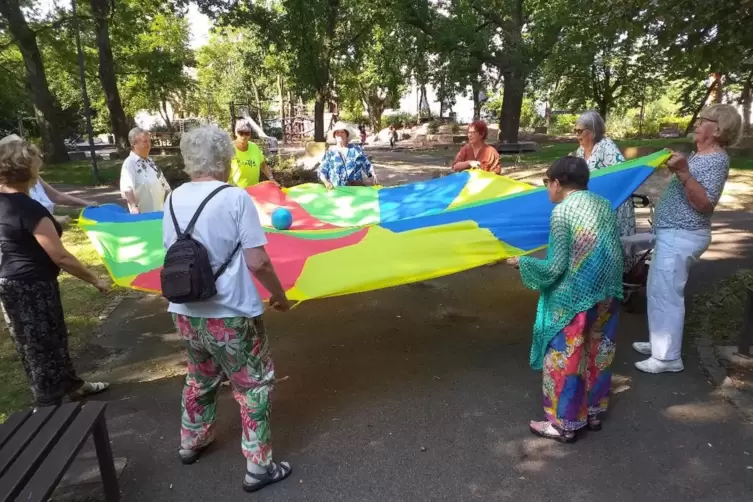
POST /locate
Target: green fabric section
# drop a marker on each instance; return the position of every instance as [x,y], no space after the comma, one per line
[584,266]
[344,206]
[128,248]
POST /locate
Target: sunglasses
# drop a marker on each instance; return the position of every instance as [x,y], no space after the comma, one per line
[244,133]
[578,132]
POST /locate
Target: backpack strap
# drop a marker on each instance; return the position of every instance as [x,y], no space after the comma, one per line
[224,266]
[195,217]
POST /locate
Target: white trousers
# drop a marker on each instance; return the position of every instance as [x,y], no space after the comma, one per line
[676,251]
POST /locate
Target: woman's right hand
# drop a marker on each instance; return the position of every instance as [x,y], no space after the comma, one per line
[279,303]
[329,186]
[102,285]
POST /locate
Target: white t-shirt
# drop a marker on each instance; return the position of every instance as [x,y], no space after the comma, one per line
[146,181]
[228,218]
[38,194]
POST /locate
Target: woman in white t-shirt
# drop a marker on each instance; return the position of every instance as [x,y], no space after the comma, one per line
[225,334]
[45,194]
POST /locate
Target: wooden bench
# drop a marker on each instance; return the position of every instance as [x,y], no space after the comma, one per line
[38,446]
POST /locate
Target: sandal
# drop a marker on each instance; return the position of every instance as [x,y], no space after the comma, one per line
[594,425]
[549,431]
[275,473]
[89,389]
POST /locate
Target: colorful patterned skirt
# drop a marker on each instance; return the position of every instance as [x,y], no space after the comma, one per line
[34,315]
[577,367]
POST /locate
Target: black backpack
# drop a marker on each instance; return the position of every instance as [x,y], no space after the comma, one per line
[187,274]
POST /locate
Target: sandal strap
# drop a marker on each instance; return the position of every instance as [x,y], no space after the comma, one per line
[274,471]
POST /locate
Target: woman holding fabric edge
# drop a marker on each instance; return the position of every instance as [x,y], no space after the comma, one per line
[683,233]
[249,159]
[580,285]
[344,163]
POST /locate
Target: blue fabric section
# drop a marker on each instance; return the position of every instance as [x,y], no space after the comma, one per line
[420,199]
[522,221]
[112,213]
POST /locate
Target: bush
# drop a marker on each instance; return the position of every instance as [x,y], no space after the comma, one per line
[432,126]
[455,128]
[401,119]
[563,123]
[287,173]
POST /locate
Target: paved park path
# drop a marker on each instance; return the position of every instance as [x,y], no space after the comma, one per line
[423,393]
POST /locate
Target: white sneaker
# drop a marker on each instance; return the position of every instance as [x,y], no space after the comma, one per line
[652,365]
[642,348]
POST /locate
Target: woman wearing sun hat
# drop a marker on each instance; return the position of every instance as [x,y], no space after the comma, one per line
[344,163]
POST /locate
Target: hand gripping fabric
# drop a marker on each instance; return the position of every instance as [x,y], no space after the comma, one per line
[187,274]
[584,266]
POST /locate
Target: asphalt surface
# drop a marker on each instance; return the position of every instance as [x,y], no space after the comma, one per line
[368,382]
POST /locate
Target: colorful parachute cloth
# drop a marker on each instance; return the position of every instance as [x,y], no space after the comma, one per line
[357,239]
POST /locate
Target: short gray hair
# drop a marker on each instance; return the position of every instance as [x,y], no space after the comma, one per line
[134,133]
[729,123]
[592,121]
[207,151]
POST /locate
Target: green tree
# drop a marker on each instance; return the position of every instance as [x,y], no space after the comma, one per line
[45,107]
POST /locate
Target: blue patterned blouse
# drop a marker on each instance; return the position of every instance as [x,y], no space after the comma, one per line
[340,170]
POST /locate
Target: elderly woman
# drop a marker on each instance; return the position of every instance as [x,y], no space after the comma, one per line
[476,154]
[580,284]
[225,335]
[344,163]
[249,159]
[142,183]
[32,256]
[599,152]
[683,233]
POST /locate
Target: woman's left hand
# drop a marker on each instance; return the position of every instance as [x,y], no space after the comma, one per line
[678,163]
[514,261]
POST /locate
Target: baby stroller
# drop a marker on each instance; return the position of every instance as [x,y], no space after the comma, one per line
[638,250]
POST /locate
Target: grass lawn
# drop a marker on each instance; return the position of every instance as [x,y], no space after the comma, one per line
[82,304]
[79,172]
[718,310]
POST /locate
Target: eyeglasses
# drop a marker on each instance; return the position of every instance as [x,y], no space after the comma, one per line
[701,119]
[244,133]
[578,132]
[472,131]
[547,181]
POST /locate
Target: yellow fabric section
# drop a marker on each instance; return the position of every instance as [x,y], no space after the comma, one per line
[245,168]
[384,259]
[484,186]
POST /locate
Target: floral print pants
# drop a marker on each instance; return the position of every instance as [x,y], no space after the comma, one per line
[577,367]
[235,347]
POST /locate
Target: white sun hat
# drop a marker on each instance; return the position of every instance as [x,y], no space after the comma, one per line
[353,134]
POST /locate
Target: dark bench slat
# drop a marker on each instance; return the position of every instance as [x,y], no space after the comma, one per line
[48,475]
[15,445]
[23,468]
[14,422]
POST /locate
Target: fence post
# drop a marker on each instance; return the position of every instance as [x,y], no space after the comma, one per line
[746,331]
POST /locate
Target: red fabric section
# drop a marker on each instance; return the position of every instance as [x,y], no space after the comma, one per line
[288,253]
[269,197]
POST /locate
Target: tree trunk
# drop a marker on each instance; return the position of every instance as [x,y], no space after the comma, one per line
[512,102]
[700,106]
[45,107]
[321,101]
[746,102]
[719,91]
[118,122]
[375,108]
[257,97]
[166,116]
[476,90]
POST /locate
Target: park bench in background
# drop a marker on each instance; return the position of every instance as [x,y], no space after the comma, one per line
[669,130]
[38,446]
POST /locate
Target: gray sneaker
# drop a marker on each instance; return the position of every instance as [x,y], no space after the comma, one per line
[652,365]
[642,348]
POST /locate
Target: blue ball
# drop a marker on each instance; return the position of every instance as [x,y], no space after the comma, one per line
[282,218]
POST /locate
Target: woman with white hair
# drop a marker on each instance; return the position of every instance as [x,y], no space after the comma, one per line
[683,233]
[249,159]
[344,163]
[47,195]
[599,151]
[224,335]
[142,183]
